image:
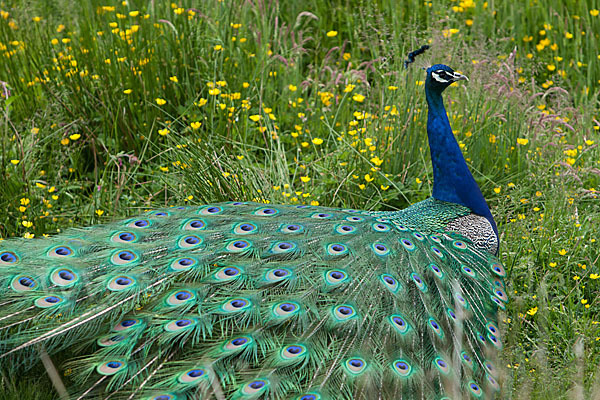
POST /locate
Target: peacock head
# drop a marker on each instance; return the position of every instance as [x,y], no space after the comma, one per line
[440,76]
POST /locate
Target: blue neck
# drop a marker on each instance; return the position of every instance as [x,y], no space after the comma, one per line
[452,180]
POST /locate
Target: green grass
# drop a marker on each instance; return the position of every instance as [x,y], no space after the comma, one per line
[77,148]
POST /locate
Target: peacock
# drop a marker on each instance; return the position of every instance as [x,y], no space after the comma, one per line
[242,300]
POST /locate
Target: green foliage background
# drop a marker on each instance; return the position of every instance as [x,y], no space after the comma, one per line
[110,108]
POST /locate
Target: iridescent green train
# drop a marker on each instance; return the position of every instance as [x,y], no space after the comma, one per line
[246,301]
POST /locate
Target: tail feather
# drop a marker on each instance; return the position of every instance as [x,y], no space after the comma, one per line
[241,300]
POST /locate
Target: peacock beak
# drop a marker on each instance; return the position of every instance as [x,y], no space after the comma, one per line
[459,77]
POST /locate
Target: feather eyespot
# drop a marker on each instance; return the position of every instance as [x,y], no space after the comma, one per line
[495,340]
[475,389]
[309,396]
[255,387]
[321,215]
[401,227]
[190,241]
[380,249]
[128,324]
[64,277]
[183,264]
[236,305]
[121,282]
[461,300]
[492,382]
[266,212]
[124,237]
[345,229]
[210,210]
[286,309]
[192,376]
[194,225]
[277,274]
[49,301]
[8,257]
[441,365]
[180,325]
[498,269]
[418,236]
[459,244]
[489,367]
[418,281]
[283,247]
[163,396]
[237,343]
[139,223]
[337,249]
[245,228]
[437,252]
[408,245]
[354,218]
[344,312]
[399,324]
[355,365]
[160,214]
[390,283]
[435,239]
[292,228]
[226,274]
[23,283]
[110,340]
[452,314]
[179,298]
[122,257]
[238,246]
[61,251]
[436,328]
[335,276]
[468,271]
[466,359]
[379,227]
[111,367]
[293,352]
[437,271]
[402,368]
[501,294]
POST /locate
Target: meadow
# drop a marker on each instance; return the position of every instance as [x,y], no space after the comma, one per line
[111,108]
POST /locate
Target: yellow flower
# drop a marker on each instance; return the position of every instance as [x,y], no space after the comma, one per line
[551,67]
[594,276]
[317,141]
[497,189]
[36,19]
[532,311]
[538,193]
[127,91]
[562,252]
[314,203]
[346,56]
[305,179]
[27,224]
[15,162]
[255,117]
[163,132]
[134,13]
[384,187]
[195,125]
[174,79]
[54,41]
[64,141]
[74,136]
[99,212]
[392,87]
[522,141]
[218,47]
[377,161]
[214,92]
[552,264]
[469,22]
[292,88]
[358,98]
[368,178]
[332,33]
[568,35]
[418,181]
[594,12]
[160,101]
